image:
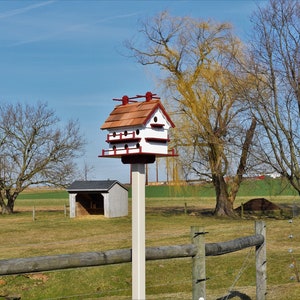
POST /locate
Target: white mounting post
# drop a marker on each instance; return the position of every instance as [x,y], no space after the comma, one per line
[138,231]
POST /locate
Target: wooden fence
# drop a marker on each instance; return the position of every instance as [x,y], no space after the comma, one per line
[198,250]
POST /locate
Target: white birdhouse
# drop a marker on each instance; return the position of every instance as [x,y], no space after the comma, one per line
[138,131]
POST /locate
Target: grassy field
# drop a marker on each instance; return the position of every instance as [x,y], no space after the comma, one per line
[168,221]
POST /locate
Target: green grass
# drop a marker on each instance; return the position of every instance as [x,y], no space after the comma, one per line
[43,194]
[168,222]
[250,188]
[52,233]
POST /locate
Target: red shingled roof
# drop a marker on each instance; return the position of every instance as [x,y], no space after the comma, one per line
[134,114]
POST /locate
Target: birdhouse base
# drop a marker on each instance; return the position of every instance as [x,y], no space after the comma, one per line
[138,159]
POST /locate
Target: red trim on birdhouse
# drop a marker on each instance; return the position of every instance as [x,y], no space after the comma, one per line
[158,106]
[116,153]
[156,125]
[156,140]
[171,153]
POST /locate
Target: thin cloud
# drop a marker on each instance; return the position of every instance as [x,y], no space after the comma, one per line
[70,28]
[24,10]
[118,17]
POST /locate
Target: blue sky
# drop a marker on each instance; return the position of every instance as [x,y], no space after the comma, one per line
[68,54]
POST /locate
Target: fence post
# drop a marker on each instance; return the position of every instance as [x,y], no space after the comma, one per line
[198,277]
[33,213]
[261,263]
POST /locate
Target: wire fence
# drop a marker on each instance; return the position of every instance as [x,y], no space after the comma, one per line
[198,251]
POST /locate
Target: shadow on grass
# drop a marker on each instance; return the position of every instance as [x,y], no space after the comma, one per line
[179,210]
[287,211]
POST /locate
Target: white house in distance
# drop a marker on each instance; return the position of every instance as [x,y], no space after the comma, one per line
[101,197]
[138,128]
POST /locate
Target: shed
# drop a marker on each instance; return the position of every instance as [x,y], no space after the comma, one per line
[101,197]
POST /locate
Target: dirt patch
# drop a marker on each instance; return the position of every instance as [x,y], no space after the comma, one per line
[264,207]
[37,277]
[2,282]
[259,204]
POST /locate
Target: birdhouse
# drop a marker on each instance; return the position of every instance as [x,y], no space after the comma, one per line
[138,131]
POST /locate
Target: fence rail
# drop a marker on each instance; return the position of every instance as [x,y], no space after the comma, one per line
[89,259]
[198,250]
[215,249]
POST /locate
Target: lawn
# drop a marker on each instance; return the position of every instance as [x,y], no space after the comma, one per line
[168,221]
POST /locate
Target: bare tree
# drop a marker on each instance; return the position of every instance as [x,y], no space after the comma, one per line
[275,54]
[198,63]
[34,150]
[87,170]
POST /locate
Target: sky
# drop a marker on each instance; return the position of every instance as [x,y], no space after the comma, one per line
[70,54]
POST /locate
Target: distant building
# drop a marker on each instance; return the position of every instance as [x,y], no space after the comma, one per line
[98,197]
[274,175]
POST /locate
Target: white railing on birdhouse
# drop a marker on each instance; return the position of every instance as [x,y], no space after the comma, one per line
[121,151]
[132,150]
[122,136]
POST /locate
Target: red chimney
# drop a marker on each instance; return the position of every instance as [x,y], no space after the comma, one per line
[148,96]
[125,100]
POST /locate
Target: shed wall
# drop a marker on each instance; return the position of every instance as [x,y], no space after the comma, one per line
[117,205]
[72,205]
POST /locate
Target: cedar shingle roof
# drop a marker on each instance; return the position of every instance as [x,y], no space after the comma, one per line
[134,114]
[92,185]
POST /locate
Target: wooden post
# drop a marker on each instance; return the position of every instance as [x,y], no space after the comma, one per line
[73,205]
[198,277]
[33,213]
[138,231]
[261,263]
[242,210]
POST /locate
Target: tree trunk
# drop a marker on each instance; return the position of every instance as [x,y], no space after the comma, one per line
[224,207]
[8,208]
[237,179]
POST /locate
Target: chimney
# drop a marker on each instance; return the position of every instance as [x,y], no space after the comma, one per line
[148,96]
[125,100]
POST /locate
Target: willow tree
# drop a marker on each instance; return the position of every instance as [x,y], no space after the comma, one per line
[198,64]
[35,149]
[275,54]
